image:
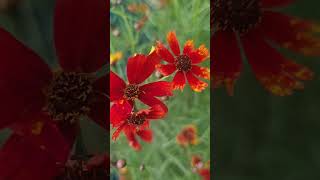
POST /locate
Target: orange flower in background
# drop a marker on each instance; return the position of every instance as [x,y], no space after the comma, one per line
[115,57]
[124,118]
[188,136]
[259,30]
[185,64]
[201,168]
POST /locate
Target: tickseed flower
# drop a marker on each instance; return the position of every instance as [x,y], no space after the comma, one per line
[115,57]
[139,68]
[260,30]
[188,136]
[184,63]
[132,123]
[200,167]
[43,106]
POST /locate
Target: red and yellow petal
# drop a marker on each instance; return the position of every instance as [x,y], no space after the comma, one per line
[156,112]
[275,3]
[166,69]
[292,33]
[80,34]
[164,53]
[227,63]
[152,101]
[140,67]
[145,135]
[179,81]
[159,89]
[201,71]
[24,75]
[173,43]
[117,86]
[188,47]
[199,55]
[277,74]
[195,84]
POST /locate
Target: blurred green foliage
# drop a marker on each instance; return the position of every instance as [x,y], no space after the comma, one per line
[163,158]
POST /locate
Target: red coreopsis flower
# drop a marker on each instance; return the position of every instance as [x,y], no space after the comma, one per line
[184,63]
[134,123]
[139,68]
[201,168]
[42,106]
[260,30]
[188,136]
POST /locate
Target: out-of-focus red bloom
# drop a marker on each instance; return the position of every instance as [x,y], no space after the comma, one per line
[188,136]
[139,68]
[260,30]
[203,169]
[134,123]
[43,106]
[184,64]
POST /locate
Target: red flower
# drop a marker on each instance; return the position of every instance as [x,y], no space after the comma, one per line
[259,29]
[43,106]
[139,68]
[188,136]
[133,123]
[201,168]
[185,63]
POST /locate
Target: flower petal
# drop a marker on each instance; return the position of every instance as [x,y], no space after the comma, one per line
[117,86]
[277,74]
[188,47]
[173,43]
[166,69]
[24,75]
[201,71]
[152,101]
[195,83]
[199,55]
[292,33]
[159,88]
[164,53]
[99,114]
[226,66]
[119,113]
[275,3]
[132,140]
[140,67]
[81,37]
[156,112]
[179,81]
[146,135]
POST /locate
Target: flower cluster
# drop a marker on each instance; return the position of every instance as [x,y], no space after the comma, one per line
[125,116]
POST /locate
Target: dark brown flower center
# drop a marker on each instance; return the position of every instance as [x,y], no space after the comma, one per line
[68,96]
[183,63]
[236,15]
[136,119]
[188,134]
[131,92]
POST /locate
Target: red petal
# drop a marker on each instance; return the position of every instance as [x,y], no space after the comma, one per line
[102,85]
[173,43]
[205,174]
[98,113]
[275,3]
[132,140]
[23,76]
[164,53]
[188,47]
[119,113]
[199,55]
[166,69]
[179,81]
[156,112]
[227,64]
[291,33]
[81,37]
[117,132]
[152,101]
[277,74]
[117,86]
[195,83]
[201,71]
[140,67]
[159,88]
[145,135]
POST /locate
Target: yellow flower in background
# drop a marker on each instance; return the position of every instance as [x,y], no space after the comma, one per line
[115,57]
[188,136]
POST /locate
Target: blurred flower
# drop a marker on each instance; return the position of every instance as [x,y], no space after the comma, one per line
[121,163]
[139,68]
[115,57]
[139,24]
[188,136]
[185,63]
[134,123]
[203,169]
[142,8]
[43,106]
[259,28]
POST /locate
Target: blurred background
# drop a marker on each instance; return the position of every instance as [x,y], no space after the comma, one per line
[135,27]
[260,136]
